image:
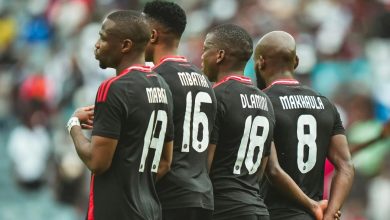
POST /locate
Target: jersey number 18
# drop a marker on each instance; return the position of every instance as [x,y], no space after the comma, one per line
[255,141]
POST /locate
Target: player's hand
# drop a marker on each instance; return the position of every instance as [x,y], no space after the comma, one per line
[85,115]
[319,209]
[336,216]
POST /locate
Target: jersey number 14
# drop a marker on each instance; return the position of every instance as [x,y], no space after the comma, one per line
[151,141]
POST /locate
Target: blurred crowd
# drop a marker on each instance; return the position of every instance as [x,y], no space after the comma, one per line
[47,69]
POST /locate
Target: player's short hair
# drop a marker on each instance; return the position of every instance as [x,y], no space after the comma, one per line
[234,39]
[168,14]
[132,25]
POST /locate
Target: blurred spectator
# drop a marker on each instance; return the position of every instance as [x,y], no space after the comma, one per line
[29,148]
[47,66]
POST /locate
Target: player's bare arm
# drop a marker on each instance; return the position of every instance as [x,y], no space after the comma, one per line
[340,157]
[285,183]
[96,153]
[210,155]
[166,160]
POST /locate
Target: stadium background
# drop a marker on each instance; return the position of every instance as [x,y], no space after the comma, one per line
[47,68]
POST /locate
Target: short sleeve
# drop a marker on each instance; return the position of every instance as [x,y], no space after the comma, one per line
[338,127]
[218,119]
[271,120]
[109,112]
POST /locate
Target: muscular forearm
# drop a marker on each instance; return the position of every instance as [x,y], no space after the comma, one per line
[82,145]
[163,169]
[341,185]
[283,182]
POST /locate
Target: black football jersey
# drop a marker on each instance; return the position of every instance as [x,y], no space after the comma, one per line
[136,109]
[187,184]
[242,133]
[305,123]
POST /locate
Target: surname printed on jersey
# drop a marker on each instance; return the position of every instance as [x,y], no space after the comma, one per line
[193,79]
[301,101]
[254,101]
[156,95]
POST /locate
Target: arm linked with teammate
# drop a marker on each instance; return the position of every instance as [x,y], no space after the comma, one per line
[96,153]
[166,160]
[210,155]
[340,157]
[281,180]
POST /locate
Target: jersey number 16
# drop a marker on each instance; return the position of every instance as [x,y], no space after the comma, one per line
[199,118]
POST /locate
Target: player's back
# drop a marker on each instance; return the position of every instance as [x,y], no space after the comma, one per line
[187,184]
[305,123]
[136,109]
[242,134]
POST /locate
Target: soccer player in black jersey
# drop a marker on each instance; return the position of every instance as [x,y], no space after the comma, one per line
[186,191]
[240,144]
[308,130]
[132,125]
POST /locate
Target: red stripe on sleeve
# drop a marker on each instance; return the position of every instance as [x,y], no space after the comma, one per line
[91,199]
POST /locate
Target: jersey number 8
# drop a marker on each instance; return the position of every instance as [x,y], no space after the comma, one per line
[150,140]
[250,134]
[308,139]
[197,119]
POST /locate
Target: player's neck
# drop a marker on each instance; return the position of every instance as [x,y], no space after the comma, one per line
[162,52]
[279,76]
[130,61]
[224,74]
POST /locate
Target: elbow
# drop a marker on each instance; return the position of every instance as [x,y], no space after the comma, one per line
[273,172]
[99,169]
[347,168]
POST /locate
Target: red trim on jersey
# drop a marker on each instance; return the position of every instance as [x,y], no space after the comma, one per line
[283,82]
[91,199]
[102,93]
[101,90]
[171,58]
[240,78]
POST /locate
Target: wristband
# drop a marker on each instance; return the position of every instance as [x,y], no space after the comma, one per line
[72,122]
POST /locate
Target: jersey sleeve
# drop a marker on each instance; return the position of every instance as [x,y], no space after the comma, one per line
[338,127]
[271,120]
[218,118]
[109,113]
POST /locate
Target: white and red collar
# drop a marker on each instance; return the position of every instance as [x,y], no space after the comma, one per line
[283,82]
[181,59]
[240,78]
[146,69]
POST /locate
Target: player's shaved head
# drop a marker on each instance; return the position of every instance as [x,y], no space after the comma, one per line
[277,46]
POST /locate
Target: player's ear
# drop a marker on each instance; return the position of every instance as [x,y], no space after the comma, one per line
[220,55]
[154,36]
[260,62]
[296,62]
[127,44]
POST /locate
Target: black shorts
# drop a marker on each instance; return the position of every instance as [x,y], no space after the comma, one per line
[285,214]
[187,214]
